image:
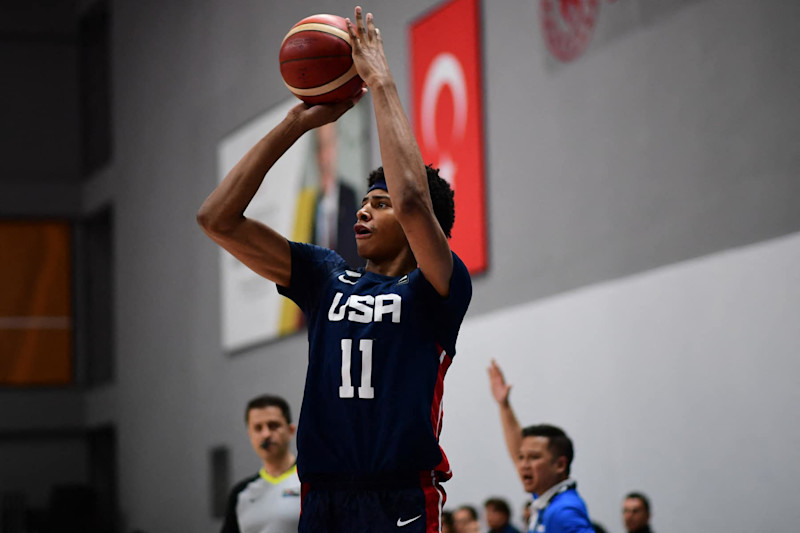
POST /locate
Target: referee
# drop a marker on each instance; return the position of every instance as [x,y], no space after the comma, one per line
[269,501]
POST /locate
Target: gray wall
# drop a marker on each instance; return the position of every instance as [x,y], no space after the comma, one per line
[39,125]
[672,137]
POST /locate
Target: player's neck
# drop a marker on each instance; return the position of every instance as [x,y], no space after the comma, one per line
[397,266]
[279,465]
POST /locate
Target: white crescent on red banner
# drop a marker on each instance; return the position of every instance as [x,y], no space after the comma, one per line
[445,72]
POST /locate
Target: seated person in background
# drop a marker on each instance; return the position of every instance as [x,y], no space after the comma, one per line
[544,455]
[447,522]
[465,519]
[636,513]
[498,516]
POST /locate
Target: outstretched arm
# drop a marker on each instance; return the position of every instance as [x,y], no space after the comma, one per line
[511,428]
[402,161]
[221,216]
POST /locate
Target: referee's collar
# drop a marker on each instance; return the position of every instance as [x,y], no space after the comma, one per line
[275,480]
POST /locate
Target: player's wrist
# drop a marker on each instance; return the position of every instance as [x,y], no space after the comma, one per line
[296,122]
[380,83]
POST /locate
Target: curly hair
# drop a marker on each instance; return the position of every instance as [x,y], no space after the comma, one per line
[444,206]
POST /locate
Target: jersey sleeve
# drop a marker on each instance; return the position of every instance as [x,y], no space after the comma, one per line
[311,265]
[451,310]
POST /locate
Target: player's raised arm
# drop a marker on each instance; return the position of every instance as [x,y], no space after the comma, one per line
[402,161]
[221,216]
[512,431]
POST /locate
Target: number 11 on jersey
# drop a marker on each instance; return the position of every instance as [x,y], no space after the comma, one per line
[365,390]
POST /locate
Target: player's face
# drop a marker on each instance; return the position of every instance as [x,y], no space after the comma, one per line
[269,432]
[379,235]
[634,514]
[538,468]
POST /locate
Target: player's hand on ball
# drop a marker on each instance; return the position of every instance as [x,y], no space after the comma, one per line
[367,44]
[315,116]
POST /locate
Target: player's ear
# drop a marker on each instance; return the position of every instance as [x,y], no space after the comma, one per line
[292,429]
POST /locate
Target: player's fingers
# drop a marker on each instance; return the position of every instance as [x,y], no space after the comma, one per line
[351,31]
[371,29]
[360,23]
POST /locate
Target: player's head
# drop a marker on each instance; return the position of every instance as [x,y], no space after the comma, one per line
[545,457]
[376,217]
[498,513]
[635,511]
[444,206]
[269,426]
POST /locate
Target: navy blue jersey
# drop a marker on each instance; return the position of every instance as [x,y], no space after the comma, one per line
[379,347]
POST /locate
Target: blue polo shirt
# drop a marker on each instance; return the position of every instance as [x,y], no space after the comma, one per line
[566,513]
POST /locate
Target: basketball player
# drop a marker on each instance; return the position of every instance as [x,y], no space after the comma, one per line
[380,338]
[543,455]
[268,502]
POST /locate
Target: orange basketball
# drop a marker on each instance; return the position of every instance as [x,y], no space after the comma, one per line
[317,61]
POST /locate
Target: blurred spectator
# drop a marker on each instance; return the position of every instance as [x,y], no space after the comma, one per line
[636,513]
[465,519]
[447,522]
[498,516]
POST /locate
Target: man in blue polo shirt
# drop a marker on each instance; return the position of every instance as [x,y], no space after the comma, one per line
[543,455]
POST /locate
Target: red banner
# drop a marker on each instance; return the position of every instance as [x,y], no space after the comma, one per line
[447,103]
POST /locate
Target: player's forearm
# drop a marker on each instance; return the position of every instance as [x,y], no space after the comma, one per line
[512,431]
[224,207]
[402,160]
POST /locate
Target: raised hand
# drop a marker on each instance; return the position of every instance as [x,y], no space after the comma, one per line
[500,389]
[367,45]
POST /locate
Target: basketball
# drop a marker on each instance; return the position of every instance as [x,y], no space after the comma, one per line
[317,62]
